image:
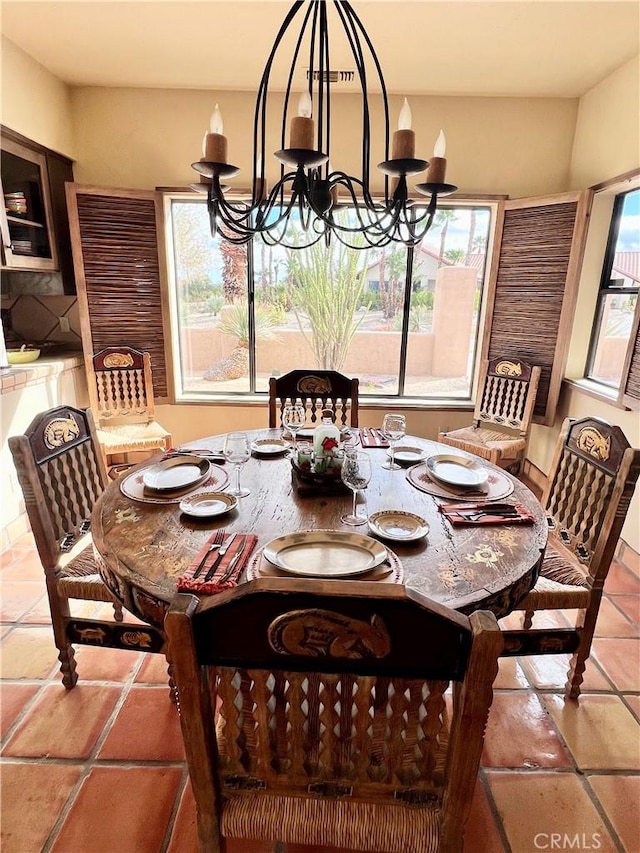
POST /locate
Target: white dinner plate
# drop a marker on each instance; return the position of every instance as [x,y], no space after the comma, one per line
[270,446]
[457,471]
[176,472]
[325,553]
[406,455]
[398,525]
[208,504]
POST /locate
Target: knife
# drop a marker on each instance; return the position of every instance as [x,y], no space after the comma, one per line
[221,552]
[232,563]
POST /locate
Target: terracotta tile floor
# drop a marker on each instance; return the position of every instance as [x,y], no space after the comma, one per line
[100,769]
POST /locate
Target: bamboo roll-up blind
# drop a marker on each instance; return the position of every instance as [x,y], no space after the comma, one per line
[533,289]
[118,262]
[631,372]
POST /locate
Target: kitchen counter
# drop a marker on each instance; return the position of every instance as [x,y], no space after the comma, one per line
[17,376]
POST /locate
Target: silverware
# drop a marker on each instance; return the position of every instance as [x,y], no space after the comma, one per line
[227,575]
[215,544]
[221,552]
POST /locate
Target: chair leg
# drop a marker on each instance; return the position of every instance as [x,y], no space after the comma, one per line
[117,611]
[60,615]
[527,619]
[173,690]
[578,663]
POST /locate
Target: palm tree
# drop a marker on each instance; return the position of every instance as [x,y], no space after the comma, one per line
[443,218]
[472,234]
[234,269]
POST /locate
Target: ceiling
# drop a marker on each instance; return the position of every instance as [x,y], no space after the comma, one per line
[538,48]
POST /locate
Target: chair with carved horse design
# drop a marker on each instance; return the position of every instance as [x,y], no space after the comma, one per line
[313,714]
[502,415]
[62,475]
[587,497]
[316,390]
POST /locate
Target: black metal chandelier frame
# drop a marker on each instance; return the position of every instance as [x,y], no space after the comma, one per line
[306,187]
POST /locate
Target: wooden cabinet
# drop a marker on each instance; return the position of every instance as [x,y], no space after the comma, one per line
[33,217]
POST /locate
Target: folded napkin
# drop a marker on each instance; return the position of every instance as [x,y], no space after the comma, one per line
[243,545]
[372,437]
[486,513]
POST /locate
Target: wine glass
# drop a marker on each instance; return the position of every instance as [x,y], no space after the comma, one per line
[293,419]
[394,428]
[237,450]
[356,474]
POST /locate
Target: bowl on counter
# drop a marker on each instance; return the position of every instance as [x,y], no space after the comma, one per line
[22,356]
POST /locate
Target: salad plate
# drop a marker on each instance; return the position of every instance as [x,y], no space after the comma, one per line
[397,525]
[177,472]
[406,455]
[208,504]
[270,446]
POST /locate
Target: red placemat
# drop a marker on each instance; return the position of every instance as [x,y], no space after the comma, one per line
[370,437]
[486,513]
[243,545]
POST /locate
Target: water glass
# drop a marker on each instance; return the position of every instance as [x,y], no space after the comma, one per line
[356,475]
[238,451]
[293,419]
[394,428]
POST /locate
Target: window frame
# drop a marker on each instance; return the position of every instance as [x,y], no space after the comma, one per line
[488,203]
[606,289]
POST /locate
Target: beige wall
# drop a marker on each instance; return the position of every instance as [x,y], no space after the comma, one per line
[34,102]
[157,134]
[607,138]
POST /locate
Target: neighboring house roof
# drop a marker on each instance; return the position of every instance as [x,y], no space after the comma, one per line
[627,264]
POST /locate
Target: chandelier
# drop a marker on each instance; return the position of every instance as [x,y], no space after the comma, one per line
[311,195]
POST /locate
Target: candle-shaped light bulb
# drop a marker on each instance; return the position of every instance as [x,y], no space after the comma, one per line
[215,142]
[437,164]
[216,124]
[440,148]
[403,145]
[404,119]
[302,128]
[305,105]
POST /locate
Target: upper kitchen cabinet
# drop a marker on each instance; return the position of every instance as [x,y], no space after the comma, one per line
[33,218]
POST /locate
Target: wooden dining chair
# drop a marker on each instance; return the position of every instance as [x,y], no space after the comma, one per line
[316,713]
[502,415]
[61,472]
[317,390]
[121,396]
[587,497]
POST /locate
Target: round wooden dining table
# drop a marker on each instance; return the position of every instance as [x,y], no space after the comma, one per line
[142,548]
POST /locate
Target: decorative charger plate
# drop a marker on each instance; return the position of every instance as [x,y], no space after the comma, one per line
[259,567]
[457,471]
[498,486]
[398,525]
[406,455]
[132,486]
[270,446]
[325,553]
[178,472]
[208,504]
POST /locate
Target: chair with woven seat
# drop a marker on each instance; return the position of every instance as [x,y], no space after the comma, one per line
[121,396]
[587,497]
[316,714]
[502,415]
[61,472]
[317,390]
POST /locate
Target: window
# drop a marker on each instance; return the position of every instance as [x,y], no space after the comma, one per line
[618,295]
[241,314]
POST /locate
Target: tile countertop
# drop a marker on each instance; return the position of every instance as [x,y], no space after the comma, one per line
[16,376]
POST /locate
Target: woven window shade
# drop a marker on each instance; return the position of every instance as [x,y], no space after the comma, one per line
[631,390]
[116,258]
[533,287]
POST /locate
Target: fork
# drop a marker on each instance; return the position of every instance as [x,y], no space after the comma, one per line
[215,545]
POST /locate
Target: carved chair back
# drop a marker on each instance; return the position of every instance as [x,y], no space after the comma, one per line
[62,474]
[317,390]
[122,390]
[589,489]
[508,395]
[324,693]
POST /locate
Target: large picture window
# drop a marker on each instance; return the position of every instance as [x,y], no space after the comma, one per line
[404,321]
[618,295]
